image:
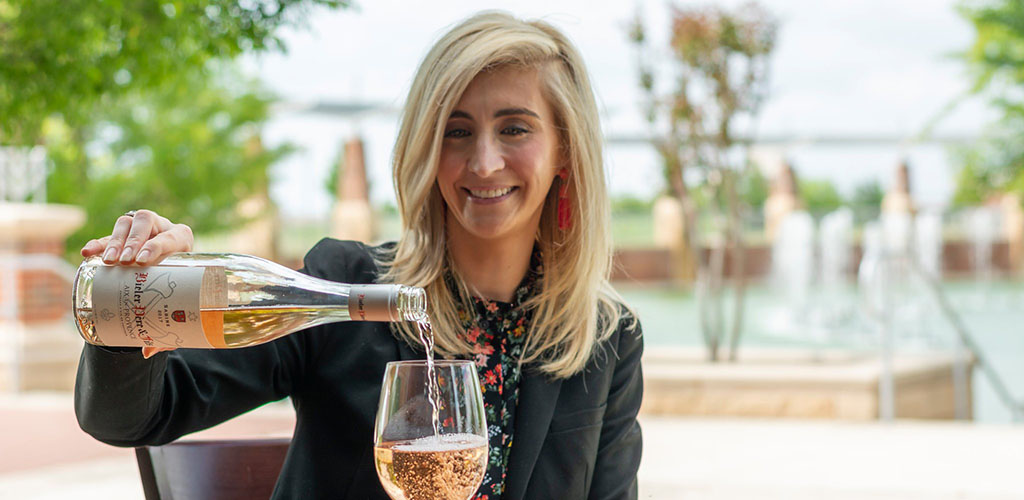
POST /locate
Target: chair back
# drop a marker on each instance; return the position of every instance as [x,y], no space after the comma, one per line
[222,469]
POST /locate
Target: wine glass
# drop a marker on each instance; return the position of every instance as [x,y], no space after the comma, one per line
[423,457]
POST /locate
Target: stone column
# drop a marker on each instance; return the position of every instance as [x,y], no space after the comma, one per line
[1013,228]
[39,344]
[898,211]
[352,216]
[897,199]
[783,199]
[669,222]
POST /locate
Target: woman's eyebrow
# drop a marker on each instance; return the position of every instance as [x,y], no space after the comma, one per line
[515,111]
[497,114]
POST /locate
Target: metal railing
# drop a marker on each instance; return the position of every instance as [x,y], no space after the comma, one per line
[1016,407]
[878,272]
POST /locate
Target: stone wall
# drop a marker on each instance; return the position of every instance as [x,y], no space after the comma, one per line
[797,384]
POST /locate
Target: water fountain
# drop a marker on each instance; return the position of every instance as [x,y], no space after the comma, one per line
[872,289]
[832,309]
[982,229]
[920,323]
[928,242]
[793,270]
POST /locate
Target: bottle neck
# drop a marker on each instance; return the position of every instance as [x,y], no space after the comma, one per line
[412,303]
[369,302]
[387,303]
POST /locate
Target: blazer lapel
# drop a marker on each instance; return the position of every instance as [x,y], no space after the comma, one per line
[537,397]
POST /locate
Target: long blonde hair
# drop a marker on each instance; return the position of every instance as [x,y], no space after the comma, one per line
[576,308]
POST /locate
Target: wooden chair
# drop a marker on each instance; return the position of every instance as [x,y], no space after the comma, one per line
[222,470]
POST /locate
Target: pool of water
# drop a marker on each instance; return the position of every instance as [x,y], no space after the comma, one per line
[992,312]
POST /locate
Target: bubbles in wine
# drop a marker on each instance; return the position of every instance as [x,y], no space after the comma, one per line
[444,467]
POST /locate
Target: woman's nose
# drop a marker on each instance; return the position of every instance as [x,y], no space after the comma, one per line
[486,157]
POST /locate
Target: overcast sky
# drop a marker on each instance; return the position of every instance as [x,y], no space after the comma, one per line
[855,68]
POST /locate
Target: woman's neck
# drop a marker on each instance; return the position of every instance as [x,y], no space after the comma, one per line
[492,269]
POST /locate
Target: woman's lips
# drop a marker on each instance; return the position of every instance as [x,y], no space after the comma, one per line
[490,195]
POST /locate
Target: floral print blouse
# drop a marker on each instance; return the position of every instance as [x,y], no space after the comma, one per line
[497,332]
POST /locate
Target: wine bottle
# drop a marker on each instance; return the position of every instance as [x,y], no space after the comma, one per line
[222,300]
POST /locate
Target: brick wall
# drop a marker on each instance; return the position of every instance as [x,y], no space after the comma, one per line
[655,264]
[40,294]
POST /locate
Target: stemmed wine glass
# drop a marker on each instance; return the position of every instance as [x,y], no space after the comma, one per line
[426,451]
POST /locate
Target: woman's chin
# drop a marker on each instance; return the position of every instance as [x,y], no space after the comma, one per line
[489,229]
[488,233]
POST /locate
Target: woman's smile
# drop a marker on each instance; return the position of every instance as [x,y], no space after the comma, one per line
[490,195]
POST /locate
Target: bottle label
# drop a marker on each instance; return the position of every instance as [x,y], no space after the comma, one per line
[373,303]
[157,306]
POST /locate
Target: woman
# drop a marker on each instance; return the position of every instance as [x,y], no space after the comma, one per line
[499,177]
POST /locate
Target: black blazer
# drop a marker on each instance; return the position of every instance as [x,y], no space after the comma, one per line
[575,438]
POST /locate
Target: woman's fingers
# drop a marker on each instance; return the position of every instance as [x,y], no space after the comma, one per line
[95,247]
[143,228]
[146,239]
[116,241]
[148,352]
[177,239]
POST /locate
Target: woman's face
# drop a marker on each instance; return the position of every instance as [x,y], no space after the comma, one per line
[499,155]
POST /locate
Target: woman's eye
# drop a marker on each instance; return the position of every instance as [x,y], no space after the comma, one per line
[456,133]
[514,130]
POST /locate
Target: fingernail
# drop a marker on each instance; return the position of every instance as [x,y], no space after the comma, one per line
[143,257]
[110,254]
[126,255]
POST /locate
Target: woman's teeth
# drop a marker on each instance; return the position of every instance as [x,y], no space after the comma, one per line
[490,193]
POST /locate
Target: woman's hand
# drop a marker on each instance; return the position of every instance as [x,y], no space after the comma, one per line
[144,239]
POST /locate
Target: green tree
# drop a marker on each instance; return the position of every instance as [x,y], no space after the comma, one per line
[719,77]
[137,103]
[996,61]
[753,188]
[66,57]
[820,196]
[190,152]
[866,201]
[333,176]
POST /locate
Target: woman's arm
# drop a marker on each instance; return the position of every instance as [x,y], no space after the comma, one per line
[125,400]
[618,455]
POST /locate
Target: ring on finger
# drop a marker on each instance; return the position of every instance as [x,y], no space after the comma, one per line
[131,213]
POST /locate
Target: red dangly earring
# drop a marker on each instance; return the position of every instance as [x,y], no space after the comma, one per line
[564,208]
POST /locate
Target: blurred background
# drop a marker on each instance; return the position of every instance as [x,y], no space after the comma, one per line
[817,210]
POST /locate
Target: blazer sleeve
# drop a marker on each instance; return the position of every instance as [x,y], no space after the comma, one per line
[125,400]
[621,443]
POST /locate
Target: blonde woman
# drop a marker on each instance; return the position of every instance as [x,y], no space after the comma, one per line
[499,177]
